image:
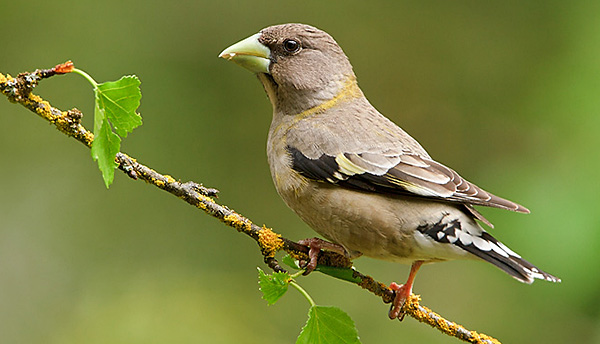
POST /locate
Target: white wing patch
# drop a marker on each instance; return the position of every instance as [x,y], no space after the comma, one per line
[508,250]
[481,244]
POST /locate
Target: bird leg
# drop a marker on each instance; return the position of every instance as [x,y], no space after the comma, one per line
[314,248]
[403,291]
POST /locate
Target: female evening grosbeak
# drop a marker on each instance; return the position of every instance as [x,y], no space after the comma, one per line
[356,177]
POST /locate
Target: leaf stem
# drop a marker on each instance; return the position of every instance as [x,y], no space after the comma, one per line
[297,274]
[86,76]
[303,292]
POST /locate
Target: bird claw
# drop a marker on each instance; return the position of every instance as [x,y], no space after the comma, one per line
[401,292]
[314,248]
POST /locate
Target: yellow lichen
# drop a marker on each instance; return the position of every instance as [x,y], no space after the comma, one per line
[205,198]
[202,206]
[426,315]
[485,337]
[170,179]
[89,138]
[3,79]
[42,108]
[298,256]
[62,123]
[236,222]
[269,241]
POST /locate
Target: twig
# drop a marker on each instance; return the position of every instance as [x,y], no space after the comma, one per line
[19,90]
[427,316]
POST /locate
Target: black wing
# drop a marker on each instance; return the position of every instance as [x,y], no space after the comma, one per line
[394,173]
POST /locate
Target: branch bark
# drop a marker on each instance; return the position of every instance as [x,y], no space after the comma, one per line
[19,90]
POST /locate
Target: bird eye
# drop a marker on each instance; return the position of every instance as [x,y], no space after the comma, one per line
[291,45]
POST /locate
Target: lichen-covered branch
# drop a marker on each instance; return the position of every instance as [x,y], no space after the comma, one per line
[427,316]
[19,90]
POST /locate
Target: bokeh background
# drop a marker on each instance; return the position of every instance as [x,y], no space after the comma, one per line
[505,92]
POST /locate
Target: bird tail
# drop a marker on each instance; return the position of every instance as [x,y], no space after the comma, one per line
[480,243]
[509,261]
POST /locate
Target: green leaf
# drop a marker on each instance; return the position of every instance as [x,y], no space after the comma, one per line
[291,262]
[119,100]
[273,286]
[115,106]
[328,325]
[104,149]
[346,274]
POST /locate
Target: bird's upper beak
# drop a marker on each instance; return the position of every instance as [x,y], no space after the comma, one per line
[250,54]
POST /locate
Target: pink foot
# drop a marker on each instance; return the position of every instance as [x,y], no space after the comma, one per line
[402,292]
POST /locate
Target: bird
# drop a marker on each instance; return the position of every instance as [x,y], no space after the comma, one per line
[357,178]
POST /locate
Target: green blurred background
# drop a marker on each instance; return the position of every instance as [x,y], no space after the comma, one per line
[505,92]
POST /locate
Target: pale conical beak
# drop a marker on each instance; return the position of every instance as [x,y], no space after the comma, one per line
[250,54]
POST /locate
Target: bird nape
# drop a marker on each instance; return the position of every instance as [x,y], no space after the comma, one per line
[353,175]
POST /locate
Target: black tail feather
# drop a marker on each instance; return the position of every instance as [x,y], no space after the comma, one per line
[483,245]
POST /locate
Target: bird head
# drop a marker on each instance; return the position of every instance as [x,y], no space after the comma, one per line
[299,65]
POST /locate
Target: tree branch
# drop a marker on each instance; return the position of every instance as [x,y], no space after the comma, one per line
[19,90]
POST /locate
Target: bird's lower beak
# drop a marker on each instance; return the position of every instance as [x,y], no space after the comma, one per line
[250,54]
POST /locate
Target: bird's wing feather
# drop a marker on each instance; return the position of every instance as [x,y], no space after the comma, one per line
[397,173]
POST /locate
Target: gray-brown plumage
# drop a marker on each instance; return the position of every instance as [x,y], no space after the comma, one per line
[353,175]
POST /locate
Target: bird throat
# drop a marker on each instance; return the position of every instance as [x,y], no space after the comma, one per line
[347,89]
[270,87]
